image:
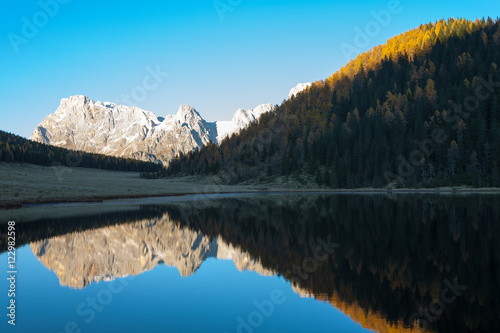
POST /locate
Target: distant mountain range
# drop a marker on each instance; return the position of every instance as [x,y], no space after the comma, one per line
[81,123]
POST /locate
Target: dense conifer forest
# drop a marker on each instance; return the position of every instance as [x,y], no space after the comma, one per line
[421,110]
[14,148]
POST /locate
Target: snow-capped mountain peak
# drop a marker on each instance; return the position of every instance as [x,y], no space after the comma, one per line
[187,111]
[126,131]
[298,88]
[241,119]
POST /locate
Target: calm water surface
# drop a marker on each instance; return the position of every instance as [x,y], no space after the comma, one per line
[274,263]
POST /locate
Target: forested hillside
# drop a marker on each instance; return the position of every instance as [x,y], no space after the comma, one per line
[421,110]
[14,148]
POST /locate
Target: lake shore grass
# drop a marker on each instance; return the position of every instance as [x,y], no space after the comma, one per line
[23,184]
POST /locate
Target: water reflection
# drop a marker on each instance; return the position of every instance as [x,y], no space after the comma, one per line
[396,258]
[79,259]
[394,261]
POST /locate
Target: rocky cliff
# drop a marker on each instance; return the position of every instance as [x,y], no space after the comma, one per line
[118,130]
[81,123]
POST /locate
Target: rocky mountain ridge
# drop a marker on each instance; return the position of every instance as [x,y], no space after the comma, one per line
[81,123]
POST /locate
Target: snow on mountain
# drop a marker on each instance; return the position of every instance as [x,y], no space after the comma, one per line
[241,119]
[118,130]
[298,88]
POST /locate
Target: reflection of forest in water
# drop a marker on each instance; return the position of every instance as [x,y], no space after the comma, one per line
[396,255]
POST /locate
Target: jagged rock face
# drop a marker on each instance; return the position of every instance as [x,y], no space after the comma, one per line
[79,259]
[117,130]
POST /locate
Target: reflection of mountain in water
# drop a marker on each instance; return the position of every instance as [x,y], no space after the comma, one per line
[394,255]
[78,259]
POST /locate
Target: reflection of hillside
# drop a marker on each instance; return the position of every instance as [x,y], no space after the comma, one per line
[367,318]
[81,258]
[394,256]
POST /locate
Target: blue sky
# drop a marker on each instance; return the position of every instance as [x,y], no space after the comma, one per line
[254,55]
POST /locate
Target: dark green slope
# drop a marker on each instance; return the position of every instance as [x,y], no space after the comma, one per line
[421,110]
[14,148]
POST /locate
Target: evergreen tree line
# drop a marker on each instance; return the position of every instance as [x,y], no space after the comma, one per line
[421,110]
[17,149]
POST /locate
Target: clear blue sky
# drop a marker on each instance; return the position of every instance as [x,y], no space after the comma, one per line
[260,50]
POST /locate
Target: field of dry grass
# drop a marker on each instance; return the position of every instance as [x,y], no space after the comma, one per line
[30,184]
[27,183]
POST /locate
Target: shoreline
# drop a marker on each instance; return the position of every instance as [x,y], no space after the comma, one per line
[24,184]
[16,204]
